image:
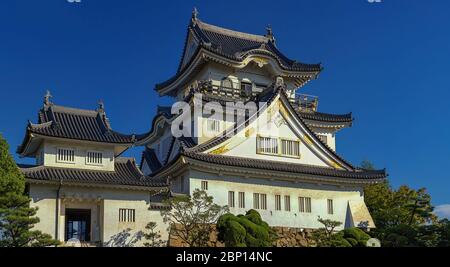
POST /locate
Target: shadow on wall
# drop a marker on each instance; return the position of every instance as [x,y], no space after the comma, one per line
[125,239]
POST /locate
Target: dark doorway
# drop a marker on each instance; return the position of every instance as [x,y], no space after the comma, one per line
[78,224]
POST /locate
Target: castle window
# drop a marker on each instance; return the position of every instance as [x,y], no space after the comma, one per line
[213,125]
[330,206]
[127,215]
[204,185]
[65,155]
[287,203]
[256,201]
[241,200]
[304,204]
[263,198]
[94,158]
[277,202]
[231,199]
[290,148]
[266,145]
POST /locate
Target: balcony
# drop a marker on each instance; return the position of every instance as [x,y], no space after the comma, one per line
[305,102]
[229,92]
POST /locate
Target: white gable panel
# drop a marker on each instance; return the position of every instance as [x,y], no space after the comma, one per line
[279,128]
[278,122]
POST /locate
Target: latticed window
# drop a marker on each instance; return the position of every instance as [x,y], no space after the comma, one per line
[290,148]
[127,215]
[330,206]
[94,157]
[65,155]
[231,199]
[287,203]
[256,201]
[277,202]
[204,185]
[304,204]
[263,198]
[242,200]
[267,145]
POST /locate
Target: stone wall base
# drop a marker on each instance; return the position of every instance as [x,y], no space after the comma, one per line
[286,237]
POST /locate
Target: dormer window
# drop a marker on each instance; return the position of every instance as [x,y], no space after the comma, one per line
[94,158]
[65,155]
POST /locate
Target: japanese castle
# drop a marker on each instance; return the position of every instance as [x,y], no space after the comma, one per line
[280,160]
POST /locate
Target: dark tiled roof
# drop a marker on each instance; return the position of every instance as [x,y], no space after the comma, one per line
[126,174]
[285,167]
[77,124]
[235,46]
[325,117]
[149,157]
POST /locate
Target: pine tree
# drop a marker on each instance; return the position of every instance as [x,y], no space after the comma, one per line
[17,218]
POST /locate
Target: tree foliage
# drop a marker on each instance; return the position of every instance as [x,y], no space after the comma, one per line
[247,230]
[404,217]
[328,237]
[153,237]
[191,218]
[17,218]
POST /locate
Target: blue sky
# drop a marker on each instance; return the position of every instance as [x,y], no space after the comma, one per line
[385,62]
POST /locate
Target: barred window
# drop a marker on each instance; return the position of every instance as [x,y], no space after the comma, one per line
[213,125]
[204,185]
[304,204]
[287,203]
[330,206]
[267,145]
[242,200]
[127,215]
[263,198]
[65,155]
[256,201]
[290,148]
[277,202]
[94,158]
[231,199]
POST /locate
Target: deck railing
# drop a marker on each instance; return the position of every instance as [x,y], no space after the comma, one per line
[306,102]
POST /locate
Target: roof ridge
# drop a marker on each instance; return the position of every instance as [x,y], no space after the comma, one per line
[233,33]
[74,111]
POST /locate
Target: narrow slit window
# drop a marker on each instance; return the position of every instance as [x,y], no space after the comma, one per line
[204,185]
[231,199]
[263,201]
[256,201]
[330,206]
[242,200]
[277,202]
[287,203]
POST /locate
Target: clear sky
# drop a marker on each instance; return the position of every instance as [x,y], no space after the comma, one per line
[385,62]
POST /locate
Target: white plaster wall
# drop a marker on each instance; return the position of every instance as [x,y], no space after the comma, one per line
[246,146]
[44,198]
[50,155]
[105,223]
[219,186]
